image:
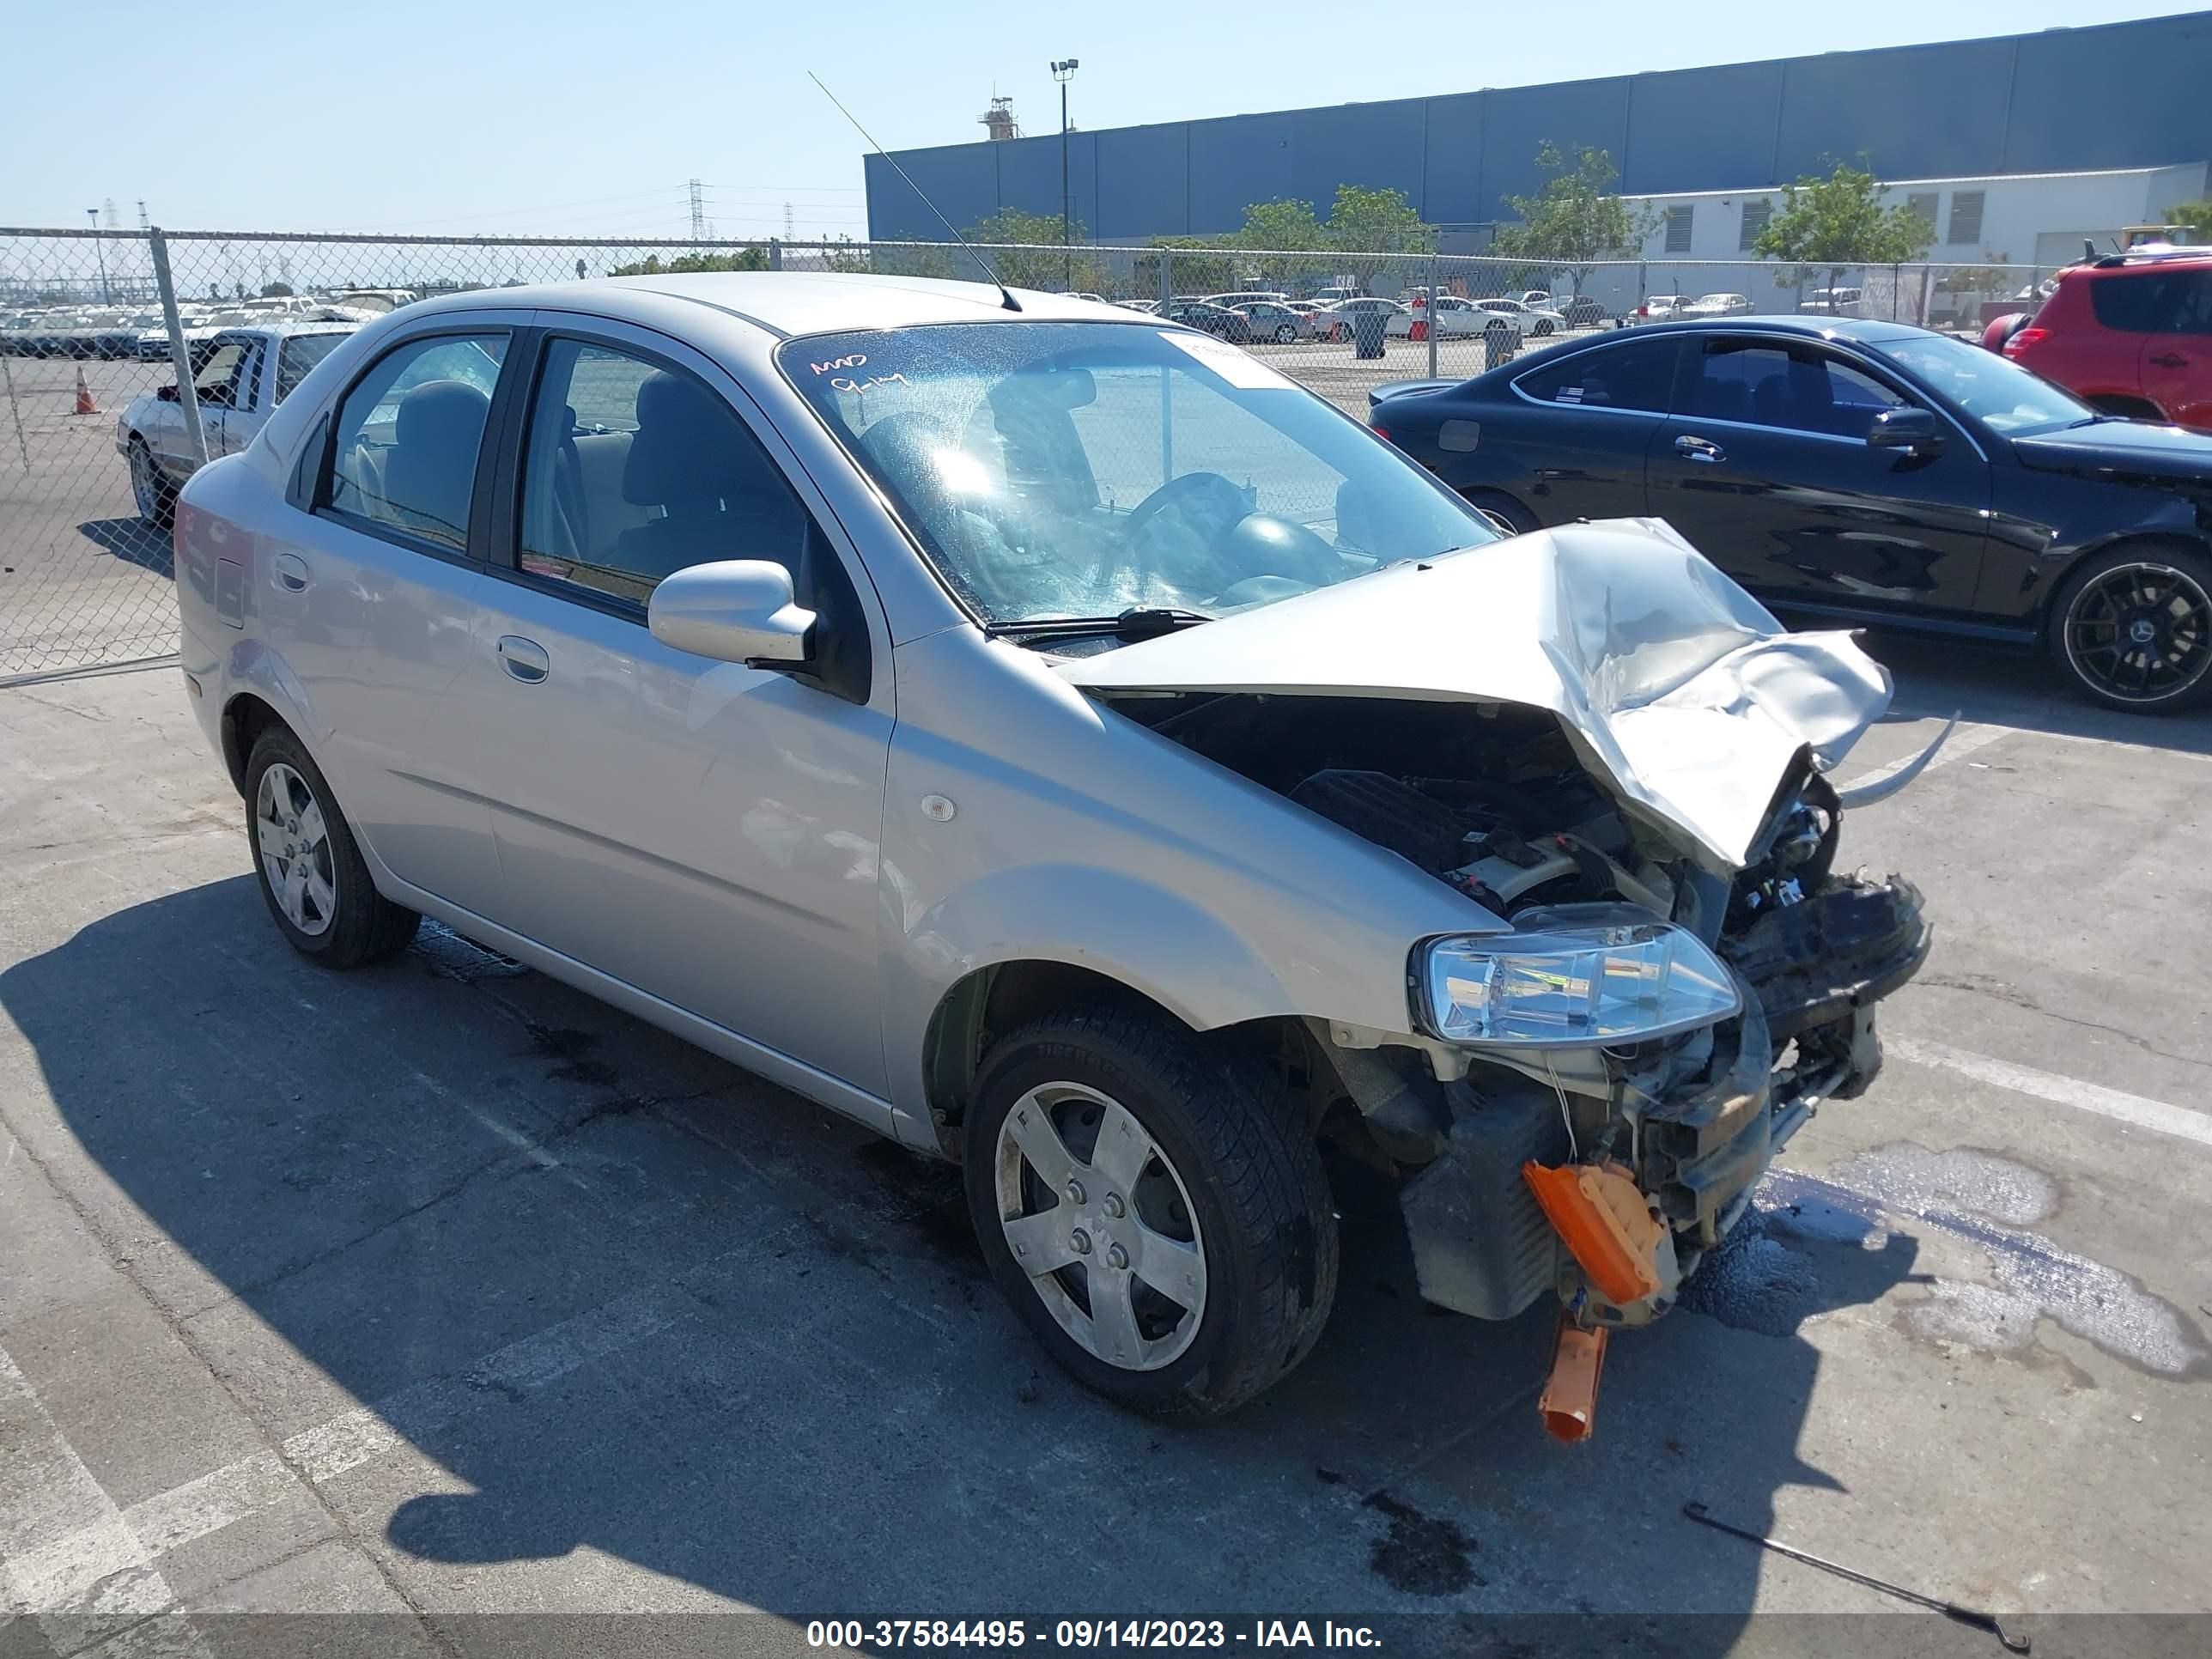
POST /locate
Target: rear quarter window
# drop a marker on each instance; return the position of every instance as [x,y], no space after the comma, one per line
[1637,376]
[2129,300]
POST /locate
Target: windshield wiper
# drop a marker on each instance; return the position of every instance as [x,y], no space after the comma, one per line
[1139,622]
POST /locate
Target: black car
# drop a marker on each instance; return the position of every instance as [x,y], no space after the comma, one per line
[1866,471]
[1233,326]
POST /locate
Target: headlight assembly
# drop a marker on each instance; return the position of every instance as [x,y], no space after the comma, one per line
[1574,975]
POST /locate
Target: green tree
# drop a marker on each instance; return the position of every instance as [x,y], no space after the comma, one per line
[1574,221]
[1283,226]
[1837,222]
[746,258]
[1027,251]
[2196,217]
[277,290]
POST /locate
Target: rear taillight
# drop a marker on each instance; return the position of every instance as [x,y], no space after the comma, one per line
[2025,338]
[1382,431]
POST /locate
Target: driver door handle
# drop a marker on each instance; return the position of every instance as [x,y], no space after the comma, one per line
[524,659]
[1699,449]
[2171,359]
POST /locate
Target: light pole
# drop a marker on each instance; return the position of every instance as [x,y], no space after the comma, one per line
[93,213]
[1063,70]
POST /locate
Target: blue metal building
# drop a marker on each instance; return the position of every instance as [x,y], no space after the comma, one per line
[2114,95]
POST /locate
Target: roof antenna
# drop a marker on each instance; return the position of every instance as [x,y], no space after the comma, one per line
[1005,293]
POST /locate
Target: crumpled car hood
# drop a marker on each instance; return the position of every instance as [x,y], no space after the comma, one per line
[1681,689]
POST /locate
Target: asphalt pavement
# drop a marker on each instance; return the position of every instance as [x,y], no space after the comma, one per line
[440,1290]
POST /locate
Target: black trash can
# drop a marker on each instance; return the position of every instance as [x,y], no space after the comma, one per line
[1367,330]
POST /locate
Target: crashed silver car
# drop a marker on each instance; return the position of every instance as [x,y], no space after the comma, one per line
[1057,741]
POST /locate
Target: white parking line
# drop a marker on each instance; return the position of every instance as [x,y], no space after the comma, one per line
[1964,742]
[62,1538]
[61,1535]
[2136,1109]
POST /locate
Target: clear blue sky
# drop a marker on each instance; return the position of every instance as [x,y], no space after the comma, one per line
[527,116]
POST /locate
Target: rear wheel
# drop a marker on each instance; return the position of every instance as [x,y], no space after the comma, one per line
[1502,510]
[1284,333]
[2132,630]
[1161,1231]
[313,875]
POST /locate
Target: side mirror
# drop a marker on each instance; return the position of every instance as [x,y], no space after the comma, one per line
[168,394]
[1913,430]
[733,610]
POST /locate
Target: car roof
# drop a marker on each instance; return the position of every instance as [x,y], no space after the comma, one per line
[791,302]
[1865,330]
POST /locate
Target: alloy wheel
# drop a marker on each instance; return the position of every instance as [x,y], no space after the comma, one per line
[294,845]
[1099,1219]
[2141,633]
[145,492]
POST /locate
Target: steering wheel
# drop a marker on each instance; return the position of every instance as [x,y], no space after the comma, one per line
[1207,501]
[1189,515]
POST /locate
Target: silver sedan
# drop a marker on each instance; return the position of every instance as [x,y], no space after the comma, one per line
[1057,741]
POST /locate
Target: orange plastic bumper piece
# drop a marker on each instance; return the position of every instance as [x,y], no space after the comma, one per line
[1569,1402]
[1600,1214]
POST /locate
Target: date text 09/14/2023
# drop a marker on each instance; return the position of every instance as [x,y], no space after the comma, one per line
[1087,1634]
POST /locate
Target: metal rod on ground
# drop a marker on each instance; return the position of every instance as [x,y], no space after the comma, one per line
[188,397]
[1973,1616]
[1435,316]
[15,413]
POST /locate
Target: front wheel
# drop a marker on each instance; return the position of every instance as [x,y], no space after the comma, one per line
[1284,334]
[2132,630]
[1166,1236]
[314,878]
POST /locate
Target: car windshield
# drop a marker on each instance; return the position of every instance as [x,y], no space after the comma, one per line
[1079,470]
[1993,389]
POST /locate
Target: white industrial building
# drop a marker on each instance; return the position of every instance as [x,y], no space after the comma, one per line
[2032,221]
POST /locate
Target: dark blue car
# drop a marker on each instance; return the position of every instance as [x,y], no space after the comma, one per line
[1859,470]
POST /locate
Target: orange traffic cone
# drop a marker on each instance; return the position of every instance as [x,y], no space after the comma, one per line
[84,403]
[1419,331]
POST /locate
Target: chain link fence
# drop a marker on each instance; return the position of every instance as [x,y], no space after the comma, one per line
[128,358]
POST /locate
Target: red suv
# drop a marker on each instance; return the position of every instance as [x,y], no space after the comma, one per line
[2132,335]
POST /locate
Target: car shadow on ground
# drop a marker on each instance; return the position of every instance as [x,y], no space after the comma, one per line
[134,541]
[2018,687]
[634,1301]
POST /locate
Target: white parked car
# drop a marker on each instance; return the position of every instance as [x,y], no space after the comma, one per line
[1830,302]
[1246,297]
[1717,304]
[1455,317]
[1661,307]
[240,375]
[1533,320]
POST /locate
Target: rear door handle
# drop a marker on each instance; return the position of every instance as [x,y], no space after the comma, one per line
[291,571]
[524,659]
[2172,359]
[1699,449]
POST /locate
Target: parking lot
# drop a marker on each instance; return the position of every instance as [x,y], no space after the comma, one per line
[440,1289]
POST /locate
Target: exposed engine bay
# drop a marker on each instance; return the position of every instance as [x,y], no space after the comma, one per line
[1650,1149]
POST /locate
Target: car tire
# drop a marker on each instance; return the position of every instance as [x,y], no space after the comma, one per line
[1541,330]
[155,497]
[313,877]
[1284,334]
[2131,628]
[1224,1176]
[1502,510]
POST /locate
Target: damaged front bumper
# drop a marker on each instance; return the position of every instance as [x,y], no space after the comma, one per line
[1691,1122]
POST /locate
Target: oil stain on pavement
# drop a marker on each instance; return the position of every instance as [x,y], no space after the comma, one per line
[1762,1280]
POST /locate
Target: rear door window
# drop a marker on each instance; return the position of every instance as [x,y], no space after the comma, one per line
[1637,376]
[2130,301]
